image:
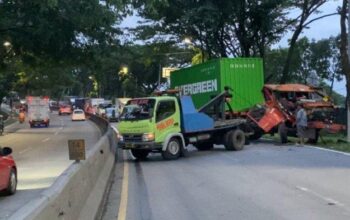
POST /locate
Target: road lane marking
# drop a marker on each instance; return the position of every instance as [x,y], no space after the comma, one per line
[124,194]
[23,151]
[329,150]
[45,140]
[325,198]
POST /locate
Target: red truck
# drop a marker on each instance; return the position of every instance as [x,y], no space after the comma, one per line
[277,115]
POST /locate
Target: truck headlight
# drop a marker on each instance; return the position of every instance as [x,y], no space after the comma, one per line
[148,137]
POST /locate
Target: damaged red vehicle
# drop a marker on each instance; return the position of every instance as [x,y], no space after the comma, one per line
[277,115]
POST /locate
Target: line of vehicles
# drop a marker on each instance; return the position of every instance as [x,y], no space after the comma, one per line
[38,109]
[223,101]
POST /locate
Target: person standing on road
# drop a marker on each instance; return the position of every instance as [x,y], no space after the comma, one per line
[301,122]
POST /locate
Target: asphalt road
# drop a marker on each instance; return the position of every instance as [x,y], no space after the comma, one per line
[41,155]
[264,181]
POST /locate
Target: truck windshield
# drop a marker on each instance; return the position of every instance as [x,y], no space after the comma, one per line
[138,109]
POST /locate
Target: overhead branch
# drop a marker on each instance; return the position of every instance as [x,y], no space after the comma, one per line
[318,18]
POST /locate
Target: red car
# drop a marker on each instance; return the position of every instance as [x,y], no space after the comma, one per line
[65,110]
[8,172]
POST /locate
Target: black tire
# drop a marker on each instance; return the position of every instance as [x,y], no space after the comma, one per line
[203,146]
[140,154]
[235,140]
[59,113]
[12,185]
[282,131]
[173,150]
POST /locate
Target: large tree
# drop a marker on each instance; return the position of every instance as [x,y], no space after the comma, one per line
[51,40]
[312,62]
[306,8]
[219,28]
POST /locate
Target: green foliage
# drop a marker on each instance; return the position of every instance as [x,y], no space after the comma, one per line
[311,59]
[219,28]
[52,40]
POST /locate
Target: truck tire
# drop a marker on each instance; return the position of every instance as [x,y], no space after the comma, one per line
[203,146]
[12,184]
[282,131]
[173,150]
[140,154]
[235,140]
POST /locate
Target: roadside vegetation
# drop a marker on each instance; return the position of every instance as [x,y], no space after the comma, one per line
[328,141]
[83,50]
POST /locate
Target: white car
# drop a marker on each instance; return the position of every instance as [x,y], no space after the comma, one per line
[78,115]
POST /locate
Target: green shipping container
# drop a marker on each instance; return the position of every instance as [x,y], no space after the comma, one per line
[203,81]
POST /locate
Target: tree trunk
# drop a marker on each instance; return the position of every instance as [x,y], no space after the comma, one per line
[293,42]
[345,64]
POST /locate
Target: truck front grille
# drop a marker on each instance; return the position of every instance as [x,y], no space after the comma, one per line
[132,137]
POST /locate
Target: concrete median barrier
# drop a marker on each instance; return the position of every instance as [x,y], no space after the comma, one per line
[78,192]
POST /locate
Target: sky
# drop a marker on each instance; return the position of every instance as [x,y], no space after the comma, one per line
[324,28]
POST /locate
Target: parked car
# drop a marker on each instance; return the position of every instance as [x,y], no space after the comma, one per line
[78,115]
[8,172]
[101,109]
[65,110]
[112,114]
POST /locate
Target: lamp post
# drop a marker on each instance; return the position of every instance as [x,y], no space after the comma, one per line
[124,70]
[7,44]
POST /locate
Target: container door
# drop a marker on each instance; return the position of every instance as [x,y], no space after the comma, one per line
[167,119]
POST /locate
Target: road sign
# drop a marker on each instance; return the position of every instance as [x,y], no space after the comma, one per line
[166,72]
[76,149]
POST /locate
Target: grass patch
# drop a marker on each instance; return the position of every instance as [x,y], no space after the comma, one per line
[329,141]
[334,142]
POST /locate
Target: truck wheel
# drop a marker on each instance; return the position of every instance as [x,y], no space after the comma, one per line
[173,150]
[282,131]
[12,184]
[235,140]
[140,154]
[204,146]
